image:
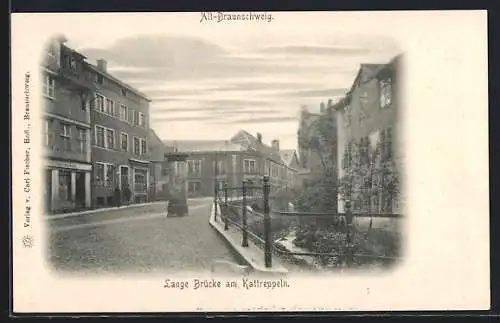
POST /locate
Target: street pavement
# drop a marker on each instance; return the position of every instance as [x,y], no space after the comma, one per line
[137,240]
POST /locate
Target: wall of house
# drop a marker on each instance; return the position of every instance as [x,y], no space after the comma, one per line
[117,156]
[367,119]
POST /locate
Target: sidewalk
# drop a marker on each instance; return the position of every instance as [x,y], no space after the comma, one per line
[253,255]
[114,208]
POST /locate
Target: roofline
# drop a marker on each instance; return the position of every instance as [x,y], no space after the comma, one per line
[136,91]
[74,51]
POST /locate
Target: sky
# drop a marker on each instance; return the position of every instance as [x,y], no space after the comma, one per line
[207,80]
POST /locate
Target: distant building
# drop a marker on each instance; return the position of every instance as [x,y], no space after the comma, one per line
[268,161]
[158,168]
[308,158]
[66,130]
[213,162]
[243,157]
[368,119]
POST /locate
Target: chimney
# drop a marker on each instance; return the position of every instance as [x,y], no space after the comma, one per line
[275,144]
[259,137]
[102,65]
[330,103]
[322,107]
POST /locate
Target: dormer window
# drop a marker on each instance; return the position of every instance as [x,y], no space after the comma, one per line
[72,63]
[124,91]
[99,78]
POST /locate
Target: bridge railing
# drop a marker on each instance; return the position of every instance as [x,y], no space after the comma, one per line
[247,208]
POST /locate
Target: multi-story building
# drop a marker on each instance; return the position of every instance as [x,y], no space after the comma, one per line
[268,161]
[120,131]
[66,126]
[212,163]
[368,132]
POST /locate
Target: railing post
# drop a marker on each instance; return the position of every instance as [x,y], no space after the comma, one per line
[244,243]
[349,255]
[215,200]
[226,209]
[267,225]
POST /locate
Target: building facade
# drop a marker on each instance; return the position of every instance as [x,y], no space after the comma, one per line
[211,164]
[120,132]
[369,154]
[66,127]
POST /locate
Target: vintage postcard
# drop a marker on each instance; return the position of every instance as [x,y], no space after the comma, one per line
[250,161]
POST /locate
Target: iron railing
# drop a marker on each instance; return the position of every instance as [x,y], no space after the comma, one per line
[247,208]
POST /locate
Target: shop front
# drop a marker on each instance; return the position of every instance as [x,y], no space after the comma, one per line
[67,186]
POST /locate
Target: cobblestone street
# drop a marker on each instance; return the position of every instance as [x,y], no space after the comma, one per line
[144,240]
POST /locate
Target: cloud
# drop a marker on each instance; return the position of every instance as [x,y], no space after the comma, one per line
[315,50]
[314,93]
[259,120]
[190,118]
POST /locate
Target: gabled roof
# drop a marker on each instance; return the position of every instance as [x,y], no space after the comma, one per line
[251,143]
[203,145]
[287,156]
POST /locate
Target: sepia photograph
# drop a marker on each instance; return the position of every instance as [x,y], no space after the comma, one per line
[233,151]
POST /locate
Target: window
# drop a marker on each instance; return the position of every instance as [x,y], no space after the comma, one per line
[249,166]
[82,140]
[48,132]
[137,146]
[144,147]
[66,136]
[64,185]
[123,112]
[105,137]
[99,78]
[136,118]
[99,173]
[385,92]
[105,174]
[194,167]
[124,91]
[124,141]
[110,139]
[131,116]
[99,103]
[48,86]
[110,107]
[72,63]
[221,167]
[142,119]
[140,184]
[110,175]
[99,138]
[194,187]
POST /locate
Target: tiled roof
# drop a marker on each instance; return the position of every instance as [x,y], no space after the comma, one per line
[251,142]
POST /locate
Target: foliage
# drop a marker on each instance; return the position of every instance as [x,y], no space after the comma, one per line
[319,137]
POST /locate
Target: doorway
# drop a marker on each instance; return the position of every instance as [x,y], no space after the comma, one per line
[80,190]
[124,176]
